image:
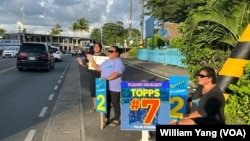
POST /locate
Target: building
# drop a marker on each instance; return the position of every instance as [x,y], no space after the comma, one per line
[64,42]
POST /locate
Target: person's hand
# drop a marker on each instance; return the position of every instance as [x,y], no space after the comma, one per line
[90,57]
[172,122]
[102,78]
[79,60]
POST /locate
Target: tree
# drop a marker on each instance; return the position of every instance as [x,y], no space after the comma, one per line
[113,33]
[74,27]
[172,10]
[82,25]
[56,30]
[2,31]
[96,33]
[211,32]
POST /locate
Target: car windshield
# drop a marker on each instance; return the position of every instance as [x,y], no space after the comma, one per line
[54,50]
[32,48]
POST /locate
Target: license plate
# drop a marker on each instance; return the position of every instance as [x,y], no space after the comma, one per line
[32,58]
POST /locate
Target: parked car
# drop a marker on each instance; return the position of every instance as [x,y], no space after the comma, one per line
[10,52]
[58,55]
[66,52]
[35,55]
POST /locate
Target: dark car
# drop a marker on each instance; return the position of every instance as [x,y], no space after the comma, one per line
[77,51]
[35,56]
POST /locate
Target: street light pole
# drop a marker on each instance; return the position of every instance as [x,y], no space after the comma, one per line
[22,10]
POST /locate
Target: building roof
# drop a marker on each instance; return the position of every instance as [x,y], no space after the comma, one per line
[172,30]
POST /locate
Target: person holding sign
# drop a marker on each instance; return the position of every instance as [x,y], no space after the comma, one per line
[97,48]
[111,70]
[206,103]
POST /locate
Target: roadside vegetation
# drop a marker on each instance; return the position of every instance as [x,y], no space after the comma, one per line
[210,30]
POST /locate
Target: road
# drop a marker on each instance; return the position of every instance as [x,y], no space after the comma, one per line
[28,98]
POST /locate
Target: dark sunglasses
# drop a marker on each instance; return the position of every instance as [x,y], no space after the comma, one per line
[202,75]
[111,51]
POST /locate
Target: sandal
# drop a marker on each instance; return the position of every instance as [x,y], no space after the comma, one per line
[92,110]
[114,123]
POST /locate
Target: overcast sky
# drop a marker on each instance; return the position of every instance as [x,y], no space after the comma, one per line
[42,15]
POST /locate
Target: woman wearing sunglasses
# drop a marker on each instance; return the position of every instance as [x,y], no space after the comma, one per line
[111,69]
[206,103]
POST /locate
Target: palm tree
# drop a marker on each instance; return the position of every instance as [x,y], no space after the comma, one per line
[56,30]
[82,25]
[211,32]
[2,32]
[221,25]
[74,27]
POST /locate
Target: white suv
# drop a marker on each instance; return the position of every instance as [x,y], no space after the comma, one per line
[58,55]
[10,52]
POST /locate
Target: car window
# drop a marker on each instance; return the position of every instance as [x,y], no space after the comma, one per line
[33,48]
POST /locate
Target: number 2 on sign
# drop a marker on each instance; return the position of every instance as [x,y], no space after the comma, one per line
[154,106]
[100,105]
[175,110]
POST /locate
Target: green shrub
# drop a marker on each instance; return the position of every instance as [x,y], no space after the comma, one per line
[237,109]
[158,41]
[132,52]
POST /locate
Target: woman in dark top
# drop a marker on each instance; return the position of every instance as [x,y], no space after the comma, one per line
[206,103]
[97,51]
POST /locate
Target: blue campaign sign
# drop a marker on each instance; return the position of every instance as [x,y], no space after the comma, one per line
[144,105]
[178,96]
[101,95]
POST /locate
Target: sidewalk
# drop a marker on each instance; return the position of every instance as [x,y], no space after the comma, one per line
[71,120]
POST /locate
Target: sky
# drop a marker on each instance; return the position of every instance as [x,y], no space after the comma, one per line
[39,16]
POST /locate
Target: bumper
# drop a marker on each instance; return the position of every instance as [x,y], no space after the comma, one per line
[32,64]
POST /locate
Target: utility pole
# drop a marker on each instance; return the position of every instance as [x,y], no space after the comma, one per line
[142,23]
[130,24]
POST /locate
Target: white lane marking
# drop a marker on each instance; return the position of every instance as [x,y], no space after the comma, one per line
[42,113]
[30,135]
[61,76]
[148,71]
[59,81]
[51,97]
[56,87]
[7,69]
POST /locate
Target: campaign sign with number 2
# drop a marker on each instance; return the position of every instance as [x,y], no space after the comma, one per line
[100,95]
[178,96]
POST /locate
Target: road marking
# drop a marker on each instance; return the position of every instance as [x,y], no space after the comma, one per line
[55,88]
[42,113]
[51,97]
[7,69]
[30,135]
[61,76]
[59,81]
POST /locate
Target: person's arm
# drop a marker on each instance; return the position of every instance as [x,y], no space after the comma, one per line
[113,76]
[194,114]
[80,62]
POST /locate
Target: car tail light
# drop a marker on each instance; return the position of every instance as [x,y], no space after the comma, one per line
[43,57]
[21,56]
